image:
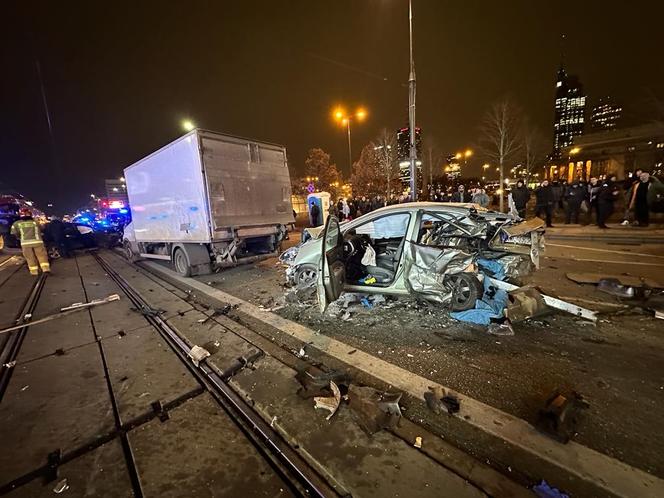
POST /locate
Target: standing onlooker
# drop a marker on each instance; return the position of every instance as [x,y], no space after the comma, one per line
[314,214]
[460,195]
[593,190]
[574,196]
[520,196]
[557,190]
[544,202]
[345,210]
[480,197]
[608,192]
[639,200]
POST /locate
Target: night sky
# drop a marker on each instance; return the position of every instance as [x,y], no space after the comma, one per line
[120,77]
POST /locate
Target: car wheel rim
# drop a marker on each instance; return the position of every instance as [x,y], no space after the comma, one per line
[307,276]
[179,262]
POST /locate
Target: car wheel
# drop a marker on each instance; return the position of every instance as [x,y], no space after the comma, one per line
[466,290]
[54,252]
[306,275]
[181,263]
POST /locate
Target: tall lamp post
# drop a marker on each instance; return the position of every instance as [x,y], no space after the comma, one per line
[411,109]
[345,119]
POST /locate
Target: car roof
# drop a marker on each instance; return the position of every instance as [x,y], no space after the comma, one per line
[433,206]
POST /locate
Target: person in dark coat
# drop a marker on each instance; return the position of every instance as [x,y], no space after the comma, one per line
[461,195]
[544,202]
[593,191]
[639,200]
[314,213]
[574,197]
[520,196]
[607,195]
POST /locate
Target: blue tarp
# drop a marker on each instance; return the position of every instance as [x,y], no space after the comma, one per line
[490,306]
[493,267]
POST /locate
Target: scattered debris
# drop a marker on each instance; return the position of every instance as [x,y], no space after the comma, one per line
[452,403]
[10,364]
[61,486]
[317,383]
[301,353]
[198,354]
[24,388]
[626,280]
[525,302]
[329,403]
[433,398]
[500,328]
[615,288]
[418,442]
[560,416]
[273,421]
[374,410]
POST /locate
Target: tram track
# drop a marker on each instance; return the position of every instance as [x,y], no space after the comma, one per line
[301,478]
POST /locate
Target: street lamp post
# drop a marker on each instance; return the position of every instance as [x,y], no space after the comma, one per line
[345,119]
[411,108]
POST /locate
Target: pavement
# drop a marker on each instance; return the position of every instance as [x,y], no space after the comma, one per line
[614,364]
[85,386]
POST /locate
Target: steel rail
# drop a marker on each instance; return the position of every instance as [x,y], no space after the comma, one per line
[293,469]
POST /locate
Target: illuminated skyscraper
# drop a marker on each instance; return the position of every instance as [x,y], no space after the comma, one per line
[605,115]
[570,106]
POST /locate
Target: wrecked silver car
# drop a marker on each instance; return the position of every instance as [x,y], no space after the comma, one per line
[439,251]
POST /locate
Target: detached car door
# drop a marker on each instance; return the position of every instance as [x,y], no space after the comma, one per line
[331,267]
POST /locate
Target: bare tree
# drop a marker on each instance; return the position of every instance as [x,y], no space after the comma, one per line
[534,148]
[501,138]
[385,146]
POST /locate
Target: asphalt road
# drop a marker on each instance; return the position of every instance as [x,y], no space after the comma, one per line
[615,364]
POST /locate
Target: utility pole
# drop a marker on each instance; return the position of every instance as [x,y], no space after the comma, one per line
[411,110]
[430,166]
[350,154]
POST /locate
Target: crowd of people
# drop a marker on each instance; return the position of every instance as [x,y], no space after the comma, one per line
[591,202]
[594,201]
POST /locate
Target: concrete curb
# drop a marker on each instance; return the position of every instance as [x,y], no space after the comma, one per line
[590,466]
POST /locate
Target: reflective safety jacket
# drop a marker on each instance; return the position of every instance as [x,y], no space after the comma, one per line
[27,232]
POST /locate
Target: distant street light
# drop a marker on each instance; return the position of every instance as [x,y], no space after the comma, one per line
[188,125]
[344,119]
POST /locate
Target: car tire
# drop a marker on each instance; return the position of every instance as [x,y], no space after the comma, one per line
[467,289]
[306,275]
[181,263]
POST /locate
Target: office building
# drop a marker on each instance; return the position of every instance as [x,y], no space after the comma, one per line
[569,115]
[605,115]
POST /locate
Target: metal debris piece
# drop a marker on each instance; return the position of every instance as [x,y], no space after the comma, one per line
[10,364]
[452,403]
[418,442]
[94,302]
[317,383]
[61,486]
[433,399]
[560,416]
[615,288]
[552,302]
[329,403]
[198,354]
[374,410]
[504,328]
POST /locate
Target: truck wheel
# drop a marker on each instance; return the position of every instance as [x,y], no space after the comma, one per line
[181,263]
[131,256]
[467,289]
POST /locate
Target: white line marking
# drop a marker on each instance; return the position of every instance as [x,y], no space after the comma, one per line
[626,253]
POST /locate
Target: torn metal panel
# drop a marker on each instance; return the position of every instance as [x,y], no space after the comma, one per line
[552,302]
[615,288]
[426,267]
[524,227]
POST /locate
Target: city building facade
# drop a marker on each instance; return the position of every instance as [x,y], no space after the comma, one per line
[403,153]
[569,111]
[605,115]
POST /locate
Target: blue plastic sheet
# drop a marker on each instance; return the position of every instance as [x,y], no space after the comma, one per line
[493,267]
[492,304]
[545,490]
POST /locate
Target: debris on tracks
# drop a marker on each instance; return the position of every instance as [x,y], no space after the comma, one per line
[329,403]
[560,416]
[374,410]
[198,354]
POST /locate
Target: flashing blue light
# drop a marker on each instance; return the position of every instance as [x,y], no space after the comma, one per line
[124,211]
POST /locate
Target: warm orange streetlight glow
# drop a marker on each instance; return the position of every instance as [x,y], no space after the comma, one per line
[485,166]
[361,114]
[458,155]
[574,151]
[338,113]
[469,153]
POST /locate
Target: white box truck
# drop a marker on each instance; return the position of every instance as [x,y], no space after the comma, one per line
[208,200]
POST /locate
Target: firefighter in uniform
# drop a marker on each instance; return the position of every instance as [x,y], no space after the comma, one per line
[27,231]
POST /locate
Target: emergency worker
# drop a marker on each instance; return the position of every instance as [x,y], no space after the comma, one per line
[27,231]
